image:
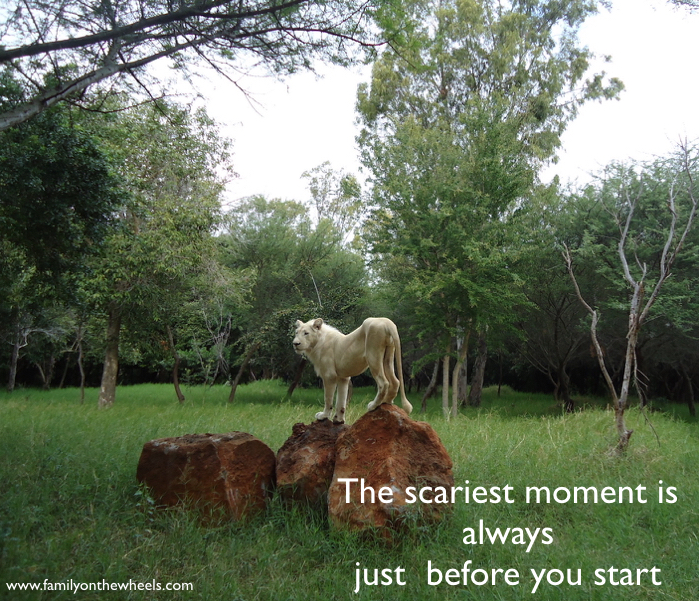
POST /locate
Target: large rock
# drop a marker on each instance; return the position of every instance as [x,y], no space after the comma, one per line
[233,471]
[306,462]
[386,448]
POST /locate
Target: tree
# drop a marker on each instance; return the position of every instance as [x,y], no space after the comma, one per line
[58,191]
[298,270]
[21,294]
[163,237]
[57,194]
[624,193]
[553,336]
[457,123]
[551,321]
[336,196]
[62,49]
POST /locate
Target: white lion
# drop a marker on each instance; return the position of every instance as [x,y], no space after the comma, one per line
[336,357]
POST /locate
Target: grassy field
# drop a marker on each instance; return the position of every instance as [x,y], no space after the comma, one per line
[71,509]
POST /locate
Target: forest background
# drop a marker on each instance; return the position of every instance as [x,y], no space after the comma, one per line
[119,264]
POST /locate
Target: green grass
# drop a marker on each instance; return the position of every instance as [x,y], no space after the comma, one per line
[70,506]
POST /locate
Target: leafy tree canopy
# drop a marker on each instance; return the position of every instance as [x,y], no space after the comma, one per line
[58,192]
[171,161]
[484,68]
[457,121]
[336,196]
[298,270]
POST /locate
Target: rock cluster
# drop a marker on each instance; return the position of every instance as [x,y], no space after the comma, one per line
[306,462]
[343,467]
[386,448]
[233,471]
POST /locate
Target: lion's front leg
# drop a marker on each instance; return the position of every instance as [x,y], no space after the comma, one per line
[341,404]
[329,386]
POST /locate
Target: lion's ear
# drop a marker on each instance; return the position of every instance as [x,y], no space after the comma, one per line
[318,323]
[299,323]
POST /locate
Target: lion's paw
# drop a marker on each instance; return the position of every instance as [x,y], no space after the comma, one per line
[322,416]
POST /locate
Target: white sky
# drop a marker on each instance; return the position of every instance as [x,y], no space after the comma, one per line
[303,121]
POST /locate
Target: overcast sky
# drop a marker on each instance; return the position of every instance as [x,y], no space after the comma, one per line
[297,124]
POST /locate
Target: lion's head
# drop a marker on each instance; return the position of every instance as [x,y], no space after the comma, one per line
[307,335]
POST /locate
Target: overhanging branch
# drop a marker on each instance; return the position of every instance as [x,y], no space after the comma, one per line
[197,10]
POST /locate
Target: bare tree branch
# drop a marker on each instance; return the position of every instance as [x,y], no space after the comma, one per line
[79,43]
[668,257]
[638,307]
[181,15]
[593,327]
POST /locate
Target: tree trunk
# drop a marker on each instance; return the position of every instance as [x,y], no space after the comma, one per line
[297,377]
[251,351]
[14,357]
[61,384]
[111,358]
[42,375]
[624,433]
[81,368]
[431,386]
[176,366]
[50,371]
[463,383]
[445,382]
[690,399]
[499,371]
[689,391]
[457,377]
[629,372]
[46,372]
[563,389]
[474,395]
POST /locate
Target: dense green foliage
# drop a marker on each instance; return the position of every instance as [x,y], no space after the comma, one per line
[457,124]
[296,269]
[58,189]
[455,238]
[72,508]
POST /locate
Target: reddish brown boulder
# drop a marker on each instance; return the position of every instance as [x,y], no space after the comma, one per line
[233,471]
[306,462]
[387,450]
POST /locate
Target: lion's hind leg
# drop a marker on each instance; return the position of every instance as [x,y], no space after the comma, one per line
[375,358]
[393,384]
